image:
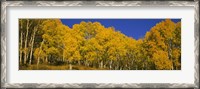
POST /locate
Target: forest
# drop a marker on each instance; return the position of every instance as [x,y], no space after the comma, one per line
[48,44]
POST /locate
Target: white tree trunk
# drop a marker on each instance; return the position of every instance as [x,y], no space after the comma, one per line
[111,64]
[70,66]
[101,64]
[32,42]
[25,44]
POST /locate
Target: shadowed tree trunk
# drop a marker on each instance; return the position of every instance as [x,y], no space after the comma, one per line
[21,50]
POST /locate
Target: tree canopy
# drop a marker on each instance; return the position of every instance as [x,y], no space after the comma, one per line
[90,44]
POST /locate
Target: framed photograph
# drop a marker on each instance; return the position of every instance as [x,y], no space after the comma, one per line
[100,44]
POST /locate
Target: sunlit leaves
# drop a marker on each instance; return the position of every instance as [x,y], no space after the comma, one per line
[164,41]
[161,60]
[91,44]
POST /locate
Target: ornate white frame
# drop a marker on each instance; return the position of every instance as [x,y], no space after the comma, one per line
[6,4]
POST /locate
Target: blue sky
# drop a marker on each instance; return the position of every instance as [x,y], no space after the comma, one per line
[135,28]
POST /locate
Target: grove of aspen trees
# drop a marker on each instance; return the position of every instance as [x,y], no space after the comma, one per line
[48,44]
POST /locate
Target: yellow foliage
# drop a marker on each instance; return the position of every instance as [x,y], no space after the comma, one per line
[160,47]
[161,60]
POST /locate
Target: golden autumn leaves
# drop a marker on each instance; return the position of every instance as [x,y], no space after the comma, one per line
[164,41]
[94,46]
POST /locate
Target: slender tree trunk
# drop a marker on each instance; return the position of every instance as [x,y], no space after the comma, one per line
[104,66]
[46,59]
[70,66]
[143,66]
[85,62]
[110,64]
[129,66]
[26,41]
[101,64]
[88,63]
[132,66]
[29,47]
[21,43]
[79,63]
[172,65]
[63,56]
[118,64]
[25,44]
[32,42]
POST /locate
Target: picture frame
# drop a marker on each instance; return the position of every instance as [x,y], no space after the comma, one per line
[4,44]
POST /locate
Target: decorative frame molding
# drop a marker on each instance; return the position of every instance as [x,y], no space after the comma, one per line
[6,4]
